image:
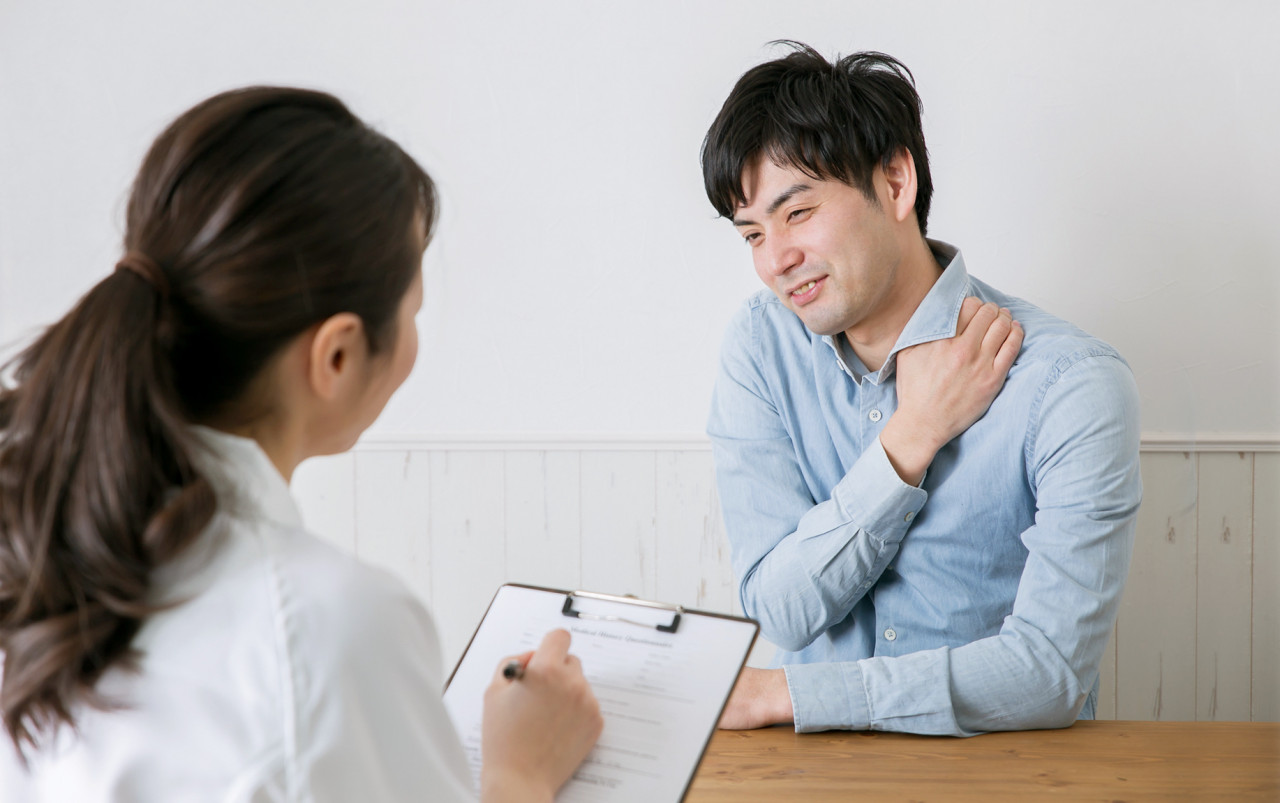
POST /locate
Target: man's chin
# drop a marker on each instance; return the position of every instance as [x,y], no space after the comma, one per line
[821,328]
[814,320]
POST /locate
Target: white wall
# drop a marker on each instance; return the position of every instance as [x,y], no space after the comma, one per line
[1114,162]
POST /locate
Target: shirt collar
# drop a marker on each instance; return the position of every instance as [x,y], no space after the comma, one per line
[244,479]
[934,319]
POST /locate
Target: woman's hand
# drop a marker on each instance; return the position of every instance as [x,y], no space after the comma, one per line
[537,729]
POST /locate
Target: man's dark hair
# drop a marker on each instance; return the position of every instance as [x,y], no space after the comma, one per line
[830,121]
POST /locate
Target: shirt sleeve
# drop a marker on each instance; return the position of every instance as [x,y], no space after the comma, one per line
[1082,463]
[797,580]
[371,722]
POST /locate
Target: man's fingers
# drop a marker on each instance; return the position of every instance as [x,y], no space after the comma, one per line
[997,333]
[968,308]
[980,322]
[1009,349]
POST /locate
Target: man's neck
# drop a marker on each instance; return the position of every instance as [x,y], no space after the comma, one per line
[873,338]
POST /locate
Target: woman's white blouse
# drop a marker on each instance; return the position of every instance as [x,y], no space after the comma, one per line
[287,671]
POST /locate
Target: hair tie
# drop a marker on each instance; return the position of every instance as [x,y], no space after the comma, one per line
[145,268]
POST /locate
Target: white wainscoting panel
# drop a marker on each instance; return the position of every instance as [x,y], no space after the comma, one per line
[393,515]
[468,541]
[1156,648]
[1107,680]
[619,510]
[544,518]
[1224,586]
[1266,588]
[692,551]
[1198,636]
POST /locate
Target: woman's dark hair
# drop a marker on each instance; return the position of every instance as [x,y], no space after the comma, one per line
[830,121]
[256,215]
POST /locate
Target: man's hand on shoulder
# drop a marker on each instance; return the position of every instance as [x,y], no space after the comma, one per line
[759,699]
[944,386]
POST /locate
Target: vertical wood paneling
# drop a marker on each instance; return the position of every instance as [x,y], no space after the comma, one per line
[1266,588]
[1155,657]
[618,523]
[467,542]
[393,527]
[1107,681]
[717,535]
[325,490]
[1223,581]
[692,553]
[544,518]
[735,606]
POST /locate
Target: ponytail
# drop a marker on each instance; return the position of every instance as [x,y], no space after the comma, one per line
[92,449]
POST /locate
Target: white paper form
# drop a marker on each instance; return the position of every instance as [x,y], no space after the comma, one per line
[660,693]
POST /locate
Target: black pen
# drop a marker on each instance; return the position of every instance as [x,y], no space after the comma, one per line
[514,670]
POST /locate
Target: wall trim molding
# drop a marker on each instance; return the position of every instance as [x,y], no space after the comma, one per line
[533,442]
[1210,442]
[685,442]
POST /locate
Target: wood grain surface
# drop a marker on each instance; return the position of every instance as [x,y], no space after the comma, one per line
[1111,761]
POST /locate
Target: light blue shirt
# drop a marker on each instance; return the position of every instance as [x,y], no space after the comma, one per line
[981,600]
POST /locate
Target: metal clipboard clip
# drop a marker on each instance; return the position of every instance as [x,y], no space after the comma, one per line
[568,610]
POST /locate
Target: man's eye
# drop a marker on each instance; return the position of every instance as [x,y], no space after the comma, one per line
[798,214]
[751,238]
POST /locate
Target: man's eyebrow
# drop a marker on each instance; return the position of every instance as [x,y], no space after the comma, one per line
[783,197]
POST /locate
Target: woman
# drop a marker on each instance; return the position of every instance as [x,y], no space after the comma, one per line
[169,631]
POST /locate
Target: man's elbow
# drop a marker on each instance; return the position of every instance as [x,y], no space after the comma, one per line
[784,639]
[786,629]
[783,622]
[1060,716]
[1054,713]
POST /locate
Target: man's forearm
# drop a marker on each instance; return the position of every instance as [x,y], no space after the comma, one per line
[1012,681]
[810,579]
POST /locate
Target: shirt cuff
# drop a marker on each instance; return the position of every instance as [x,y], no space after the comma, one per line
[873,495]
[828,696]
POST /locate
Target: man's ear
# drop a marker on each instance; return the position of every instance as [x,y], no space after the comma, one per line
[337,346]
[900,181]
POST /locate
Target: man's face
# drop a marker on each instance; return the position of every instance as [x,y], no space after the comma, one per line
[830,254]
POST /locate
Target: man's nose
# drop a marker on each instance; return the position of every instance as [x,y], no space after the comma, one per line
[781,255]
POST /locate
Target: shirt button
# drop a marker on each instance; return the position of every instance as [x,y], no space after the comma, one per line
[909,516]
[874,416]
[890,634]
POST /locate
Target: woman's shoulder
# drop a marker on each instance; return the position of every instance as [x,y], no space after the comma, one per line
[333,601]
[364,674]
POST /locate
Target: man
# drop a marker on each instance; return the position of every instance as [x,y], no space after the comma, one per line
[931,512]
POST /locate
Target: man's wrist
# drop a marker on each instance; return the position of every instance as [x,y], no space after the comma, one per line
[909,449]
[781,710]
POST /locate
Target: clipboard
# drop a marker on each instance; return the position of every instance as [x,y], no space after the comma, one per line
[662,674]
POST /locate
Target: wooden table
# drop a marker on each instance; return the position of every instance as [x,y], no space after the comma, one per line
[1101,760]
